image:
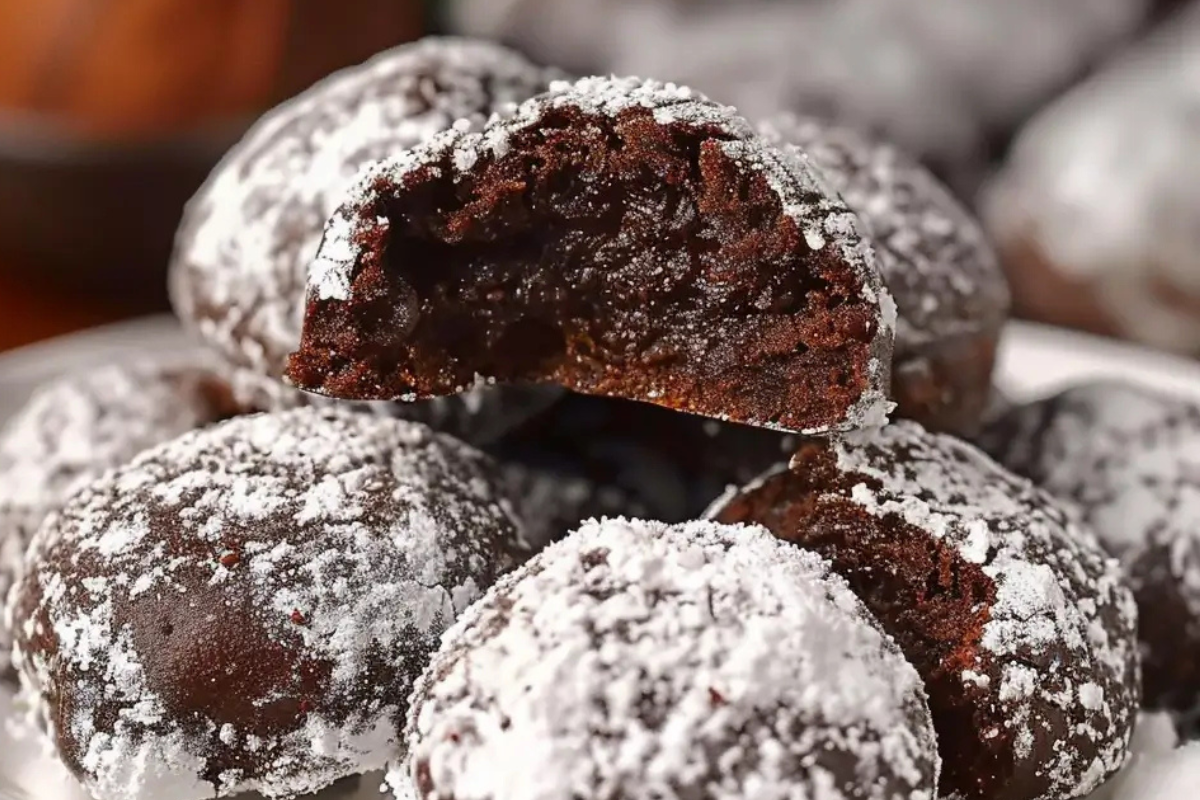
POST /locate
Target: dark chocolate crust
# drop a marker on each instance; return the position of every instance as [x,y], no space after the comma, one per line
[615,237]
[1012,614]
[247,607]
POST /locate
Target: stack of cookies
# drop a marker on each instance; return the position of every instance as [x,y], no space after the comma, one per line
[551,438]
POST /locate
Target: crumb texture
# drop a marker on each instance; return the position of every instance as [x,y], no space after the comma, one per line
[640,660]
[615,236]
[245,608]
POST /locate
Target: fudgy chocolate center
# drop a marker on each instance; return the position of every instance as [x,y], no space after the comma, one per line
[923,593]
[615,255]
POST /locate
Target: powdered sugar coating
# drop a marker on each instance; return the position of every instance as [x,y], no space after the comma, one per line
[1129,460]
[803,194]
[238,272]
[245,608]
[79,426]
[1102,186]
[943,274]
[1061,633]
[640,660]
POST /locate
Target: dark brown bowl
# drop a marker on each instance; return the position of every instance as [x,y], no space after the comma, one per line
[98,216]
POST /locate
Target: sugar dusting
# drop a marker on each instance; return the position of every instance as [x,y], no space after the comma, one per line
[238,272]
[1061,629]
[637,659]
[358,540]
[934,258]
[804,196]
[74,429]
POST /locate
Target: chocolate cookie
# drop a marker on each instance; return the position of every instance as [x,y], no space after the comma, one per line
[246,607]
[638,660]
[238,272]
[605,457]
[1129,459]
[78,427]
[617,237]
[1020,626]
[1095,209]
[951,295]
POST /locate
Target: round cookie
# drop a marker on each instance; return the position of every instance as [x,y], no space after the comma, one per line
[615,237]
[242,252]
[79,426]
[1095,209]
[245,608]
[951,296]
[1021,627]
[603,457]
[1129,460]
[639,660]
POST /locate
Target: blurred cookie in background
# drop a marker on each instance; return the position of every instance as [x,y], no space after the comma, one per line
[79,426]
[945,79]
[1096,209]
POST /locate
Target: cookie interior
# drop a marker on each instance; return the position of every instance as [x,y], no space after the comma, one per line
[615,255]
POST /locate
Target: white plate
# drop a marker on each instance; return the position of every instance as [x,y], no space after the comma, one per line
[1034,361]
[1037,360]
[22,370]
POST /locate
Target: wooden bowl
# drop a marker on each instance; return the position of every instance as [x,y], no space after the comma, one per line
[98,216]
[112,114]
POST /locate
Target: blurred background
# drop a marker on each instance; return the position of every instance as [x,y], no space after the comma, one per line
[1071,126]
